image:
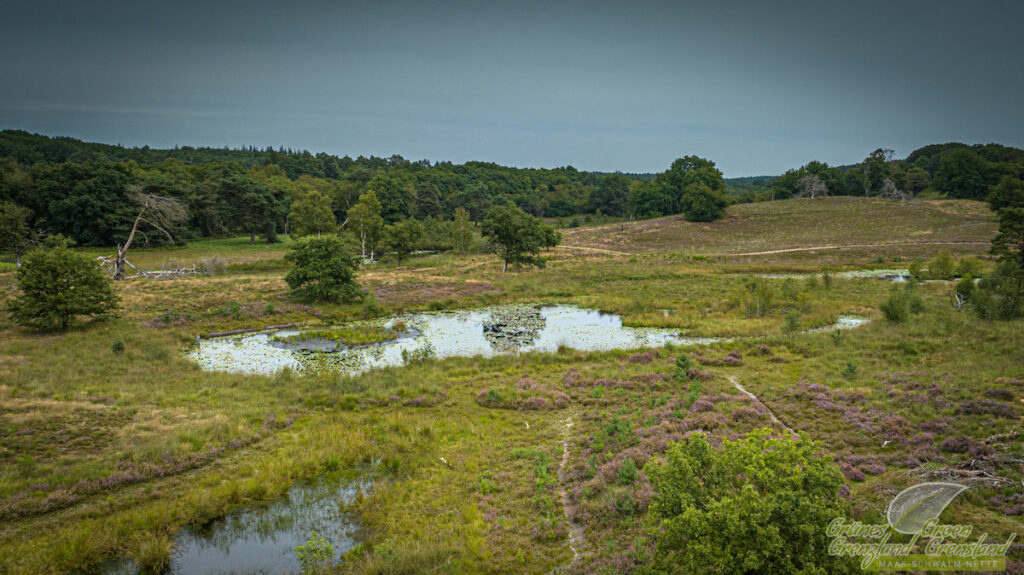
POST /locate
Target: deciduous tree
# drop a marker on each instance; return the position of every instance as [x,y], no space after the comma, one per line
[322,270]
[311,213]
[462,231]
[404,237]
[15,233]
[760,504]
[517,237]
[366,222]
[58,285]
[703,204]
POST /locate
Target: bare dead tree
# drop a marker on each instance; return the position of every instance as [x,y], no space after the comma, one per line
[811,187]
[958,300]
[891,192]
[157,212]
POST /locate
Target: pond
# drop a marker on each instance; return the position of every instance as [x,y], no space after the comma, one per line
[893,275]
[263,539]
[484,332]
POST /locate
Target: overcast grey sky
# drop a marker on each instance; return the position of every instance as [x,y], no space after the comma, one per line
[758,87]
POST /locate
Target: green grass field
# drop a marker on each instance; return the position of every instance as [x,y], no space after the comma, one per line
[109,449]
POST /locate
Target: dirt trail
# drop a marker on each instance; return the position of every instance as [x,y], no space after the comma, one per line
[576,535]
[598,250]
[843,246]
[771,414]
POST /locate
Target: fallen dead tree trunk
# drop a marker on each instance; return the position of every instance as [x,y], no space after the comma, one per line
[247,330]
[172,273]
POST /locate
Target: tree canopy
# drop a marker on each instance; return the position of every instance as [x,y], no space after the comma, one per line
[322,270]
[57,286]
[760,504]
[517,237]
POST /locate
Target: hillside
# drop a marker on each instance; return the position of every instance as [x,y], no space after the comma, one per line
[804,225]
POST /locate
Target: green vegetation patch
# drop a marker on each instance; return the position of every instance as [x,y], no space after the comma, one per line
[349,335]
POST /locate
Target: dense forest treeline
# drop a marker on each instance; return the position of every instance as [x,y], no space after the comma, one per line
[85,190]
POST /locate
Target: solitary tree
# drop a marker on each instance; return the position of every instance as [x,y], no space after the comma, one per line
[404,237]
[57,285]
[679,180]
[462,231]
[322,270]
[366,223]
[702,203]
[757,505]
[15,233]
[518,237]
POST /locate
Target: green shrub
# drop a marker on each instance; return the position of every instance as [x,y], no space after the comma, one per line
[826,279]
[761,297]
[970,265]
[941,266]
[322,270]
[850,371]
[916,269]
[314,553]
[1000,295]
[683,365]
[895,308]
[58,285]
[791,325]
[758,505]
[627,471]
[902,301]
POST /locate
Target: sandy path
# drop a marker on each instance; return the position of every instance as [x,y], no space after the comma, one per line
[771,414]
[843,246]
[576,535]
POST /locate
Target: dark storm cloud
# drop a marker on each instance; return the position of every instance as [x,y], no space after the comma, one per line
[756,86]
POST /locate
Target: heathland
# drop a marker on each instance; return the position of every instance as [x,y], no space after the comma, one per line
[112,441]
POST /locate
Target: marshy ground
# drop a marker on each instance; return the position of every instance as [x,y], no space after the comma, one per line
[112,441]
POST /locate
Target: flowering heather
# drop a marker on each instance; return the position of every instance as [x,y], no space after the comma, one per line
[419,401]
[745,413]
[933,425]
[733,358]
[702,406]
[956,444]
[999,393]
[852,473]
[1012,504]
[698,374]
[571,377]
[28,502]
[522,398]
[645,357]
[987,407]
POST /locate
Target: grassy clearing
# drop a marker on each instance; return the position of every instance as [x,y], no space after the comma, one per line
[110,440]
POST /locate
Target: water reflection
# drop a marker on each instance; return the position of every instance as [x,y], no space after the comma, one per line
[484,332]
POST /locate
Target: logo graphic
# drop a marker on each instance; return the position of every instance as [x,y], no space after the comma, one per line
[914,540]
[912,508]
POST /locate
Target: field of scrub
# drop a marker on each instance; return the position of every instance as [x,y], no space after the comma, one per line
[115,445]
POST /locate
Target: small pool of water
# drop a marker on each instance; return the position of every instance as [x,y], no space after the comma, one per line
[263,539]
[893,275]
[484,332]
